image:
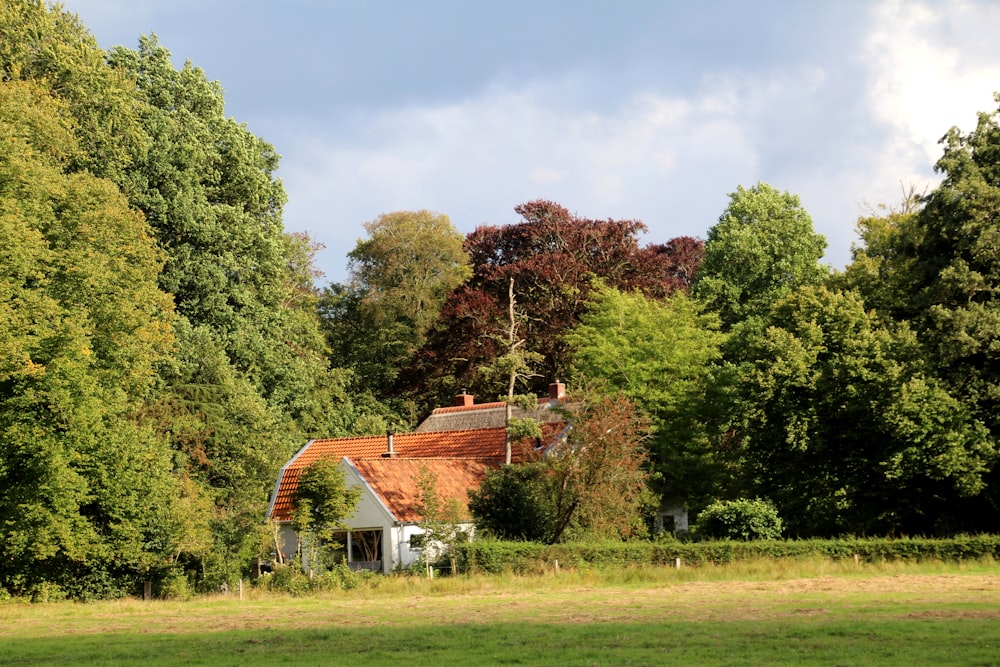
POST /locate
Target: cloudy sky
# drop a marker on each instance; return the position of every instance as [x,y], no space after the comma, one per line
[646,109]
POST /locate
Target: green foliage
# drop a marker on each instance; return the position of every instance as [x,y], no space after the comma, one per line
[323,500]
[400,277]
[840,425]
[762,248]
[519,428]
[407,267]
[741,519]
[51,47]
[489,556]
[193,413]
[442,520]
[85,486]
[291,579]
[659,353]
[513,503]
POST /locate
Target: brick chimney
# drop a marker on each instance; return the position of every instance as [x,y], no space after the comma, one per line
[557,391]
[464,400]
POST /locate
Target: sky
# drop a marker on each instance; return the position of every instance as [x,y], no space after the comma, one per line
[653,110]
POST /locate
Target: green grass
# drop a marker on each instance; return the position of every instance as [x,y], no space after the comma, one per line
[767,613]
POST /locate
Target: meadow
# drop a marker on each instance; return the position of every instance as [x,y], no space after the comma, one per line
[761,613]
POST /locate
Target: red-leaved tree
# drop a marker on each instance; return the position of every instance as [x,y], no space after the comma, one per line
[555,259]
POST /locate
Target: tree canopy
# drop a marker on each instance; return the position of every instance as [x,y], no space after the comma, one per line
[762,248]
[555,260]
[660,354]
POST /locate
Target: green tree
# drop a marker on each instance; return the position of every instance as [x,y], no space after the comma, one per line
[740,519]
[86,486]
[323,501]
[407,267]
[400,277]
[513,503]
[443,521]
[933,264]
[660,354]
[954,272]
[841,425]
[762,248]
[50,46]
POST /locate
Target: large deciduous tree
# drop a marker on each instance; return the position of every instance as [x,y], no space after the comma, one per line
[406,268]
[935,265]
[660,354]
[841,425]
[400,277]
[555,259]
[762,248]
[85,487]
[955,267]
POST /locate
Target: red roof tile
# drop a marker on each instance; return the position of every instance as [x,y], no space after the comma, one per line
[396,481]
[481,444]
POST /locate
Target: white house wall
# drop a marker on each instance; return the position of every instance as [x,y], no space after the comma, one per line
[372,514]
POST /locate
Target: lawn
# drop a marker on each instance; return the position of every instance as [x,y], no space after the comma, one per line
[891,615]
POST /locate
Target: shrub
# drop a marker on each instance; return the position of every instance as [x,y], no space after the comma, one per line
[741,519]
[291,579]
[176,586]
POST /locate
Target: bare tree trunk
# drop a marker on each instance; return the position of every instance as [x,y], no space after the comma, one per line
[511,337]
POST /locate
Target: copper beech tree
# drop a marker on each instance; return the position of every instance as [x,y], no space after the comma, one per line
[555,260]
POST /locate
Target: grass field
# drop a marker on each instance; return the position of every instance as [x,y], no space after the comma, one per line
[759,614]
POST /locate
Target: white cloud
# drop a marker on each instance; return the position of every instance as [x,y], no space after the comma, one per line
[476,159]
[928,74]
[667,159]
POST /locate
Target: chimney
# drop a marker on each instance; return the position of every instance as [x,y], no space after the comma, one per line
[557,391]
[464,400]
[391,453]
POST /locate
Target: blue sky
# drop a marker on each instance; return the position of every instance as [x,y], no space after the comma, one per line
[615,109]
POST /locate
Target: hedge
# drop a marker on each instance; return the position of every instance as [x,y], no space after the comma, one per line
[489,556]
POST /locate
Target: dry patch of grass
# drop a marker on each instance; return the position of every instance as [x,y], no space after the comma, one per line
[516,599]
[778,614]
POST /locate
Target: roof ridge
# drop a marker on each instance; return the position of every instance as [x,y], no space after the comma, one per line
[468,408]
[421,458]
[405,434]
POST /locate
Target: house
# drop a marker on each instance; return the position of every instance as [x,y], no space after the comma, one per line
[467,414]
[457,445]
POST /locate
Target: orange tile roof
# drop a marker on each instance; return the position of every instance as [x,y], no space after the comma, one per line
[483,444]
[396,481]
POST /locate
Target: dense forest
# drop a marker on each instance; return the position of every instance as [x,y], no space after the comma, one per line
[165,345]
